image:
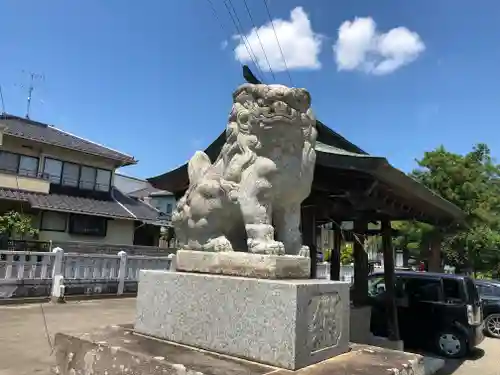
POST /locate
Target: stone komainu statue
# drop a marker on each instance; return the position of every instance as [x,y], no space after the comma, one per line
[250,197]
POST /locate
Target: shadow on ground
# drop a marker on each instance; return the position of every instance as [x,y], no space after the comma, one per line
[452,365]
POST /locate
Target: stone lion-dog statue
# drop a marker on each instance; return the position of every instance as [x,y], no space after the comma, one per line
[249,198]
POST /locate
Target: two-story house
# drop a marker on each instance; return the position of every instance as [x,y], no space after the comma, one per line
[65,183]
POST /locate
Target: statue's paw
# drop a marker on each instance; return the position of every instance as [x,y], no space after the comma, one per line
[219,244]
[304,252]
[266,247]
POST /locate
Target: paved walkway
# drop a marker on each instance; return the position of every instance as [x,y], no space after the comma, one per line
[25,350]
[485,360]
[23,341]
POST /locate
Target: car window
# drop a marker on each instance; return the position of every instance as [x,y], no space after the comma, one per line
[472,292]
[485,290]
[489,290]
[376,286]
[452,290]
[420,290]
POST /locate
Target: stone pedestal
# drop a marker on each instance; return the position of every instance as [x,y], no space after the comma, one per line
[235,263]
[285,323]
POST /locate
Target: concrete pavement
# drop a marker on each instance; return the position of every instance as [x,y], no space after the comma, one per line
[24,347]
[485,360]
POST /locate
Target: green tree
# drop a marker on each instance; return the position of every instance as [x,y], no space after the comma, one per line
[471,182]
[346,253]
[14,223]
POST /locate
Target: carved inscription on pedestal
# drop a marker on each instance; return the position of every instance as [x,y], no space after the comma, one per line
[325,321]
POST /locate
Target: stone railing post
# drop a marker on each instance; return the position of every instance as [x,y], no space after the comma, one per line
[58,262]
[122,272]
[57,293]
[172,262]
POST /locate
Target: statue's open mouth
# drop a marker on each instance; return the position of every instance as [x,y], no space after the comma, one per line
[279,111]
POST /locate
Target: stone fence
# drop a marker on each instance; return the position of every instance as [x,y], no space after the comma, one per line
[58,273]
[102,248]
[84,247]
[346,272]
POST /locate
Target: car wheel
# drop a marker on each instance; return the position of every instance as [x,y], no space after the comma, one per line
[492,325]
[451,344]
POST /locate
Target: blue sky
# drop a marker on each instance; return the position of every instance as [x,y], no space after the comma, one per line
[154,79]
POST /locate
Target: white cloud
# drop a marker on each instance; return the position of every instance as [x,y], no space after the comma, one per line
[361,47]
[300,44]
[223,44]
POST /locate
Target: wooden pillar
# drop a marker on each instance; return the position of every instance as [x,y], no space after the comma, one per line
[335,255]
[360,292]
[434,260]
[390,282]
[308,223]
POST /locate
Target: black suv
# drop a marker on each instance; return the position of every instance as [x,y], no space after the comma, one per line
[489,291]
[435,310]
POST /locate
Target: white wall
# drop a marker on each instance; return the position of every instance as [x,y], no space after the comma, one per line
[161,203]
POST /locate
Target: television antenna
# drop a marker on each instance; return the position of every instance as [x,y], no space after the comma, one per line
[31,86]
[2,101]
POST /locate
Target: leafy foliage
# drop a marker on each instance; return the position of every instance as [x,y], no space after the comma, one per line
[471,182]
[14,223]
[346,253]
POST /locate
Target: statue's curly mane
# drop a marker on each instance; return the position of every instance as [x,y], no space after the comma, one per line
[239,150]
[268,125]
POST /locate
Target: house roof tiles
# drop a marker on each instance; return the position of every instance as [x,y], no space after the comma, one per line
[28,129]
[121,207]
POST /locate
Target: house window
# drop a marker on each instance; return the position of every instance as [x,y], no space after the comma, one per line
[74,175]
[169,208]
[103,180]
[53,221]
[88,225]
[70,174]
[52,170]
[87,178]
[28,166]
[9,162]
[19,164]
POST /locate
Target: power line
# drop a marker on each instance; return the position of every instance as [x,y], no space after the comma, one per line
[239,29]
[221,24]
[277,40]
[217,16]
[258,37]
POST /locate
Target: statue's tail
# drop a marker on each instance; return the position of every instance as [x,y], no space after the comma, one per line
[198,166]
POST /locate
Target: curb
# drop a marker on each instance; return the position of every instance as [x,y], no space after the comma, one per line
[83,297]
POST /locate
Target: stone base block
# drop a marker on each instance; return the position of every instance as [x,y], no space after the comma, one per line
[284,323]
[384,342]
[360,318]
[260,266]
[117,351]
